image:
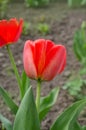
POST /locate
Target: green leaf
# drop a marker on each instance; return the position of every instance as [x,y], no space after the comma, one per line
[75,126]
[25,83]
[79,45]
[7,99]
[7,124]
[27,117]
[83,2]
[67,118]
[83,128]
[83,71]
[74,86]
[74,3]
[47,102]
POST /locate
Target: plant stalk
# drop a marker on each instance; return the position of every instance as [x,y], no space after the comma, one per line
[15,69]
[38,95]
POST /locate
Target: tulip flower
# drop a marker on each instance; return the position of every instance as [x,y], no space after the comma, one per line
[43,59]
[10,31]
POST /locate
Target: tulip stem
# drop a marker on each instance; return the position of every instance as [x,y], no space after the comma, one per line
[38,95]
[15,69]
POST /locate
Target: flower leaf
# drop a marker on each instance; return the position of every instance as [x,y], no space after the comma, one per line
[75,126]
[25,83]
[67,118]
[47,102]
[27,117]
[7,124]
[83,128]
[7,99]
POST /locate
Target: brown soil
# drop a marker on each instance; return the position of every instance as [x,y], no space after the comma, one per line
[63,23]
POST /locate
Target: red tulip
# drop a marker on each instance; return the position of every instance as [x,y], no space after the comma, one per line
[43,59]
[10,31]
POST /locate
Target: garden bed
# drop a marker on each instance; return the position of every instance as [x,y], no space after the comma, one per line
[63,22]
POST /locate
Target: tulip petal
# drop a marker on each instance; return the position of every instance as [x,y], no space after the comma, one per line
[55,62]
[40,55]
[49,45]
[3,28]
[19,30]
[28,59]
[13,30]
[12,26]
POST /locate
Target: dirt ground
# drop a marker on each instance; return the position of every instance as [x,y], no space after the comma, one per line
[63,23]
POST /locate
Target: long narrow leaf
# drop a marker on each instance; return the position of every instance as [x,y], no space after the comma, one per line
[83,2]
[7,124]
[78,44]
[75,126]
[27,117]
[7,99]
[83,128]
[47,102]
[67,118]
[25,83]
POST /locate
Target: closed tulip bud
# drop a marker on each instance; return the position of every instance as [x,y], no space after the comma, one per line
[10,31]
[43,59]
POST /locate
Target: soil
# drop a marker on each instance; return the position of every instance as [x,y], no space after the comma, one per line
[63,23]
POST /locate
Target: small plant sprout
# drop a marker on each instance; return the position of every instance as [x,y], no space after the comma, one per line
[43,28]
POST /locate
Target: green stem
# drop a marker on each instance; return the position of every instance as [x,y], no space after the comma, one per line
[3,128]
[15,69]
[38,95]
